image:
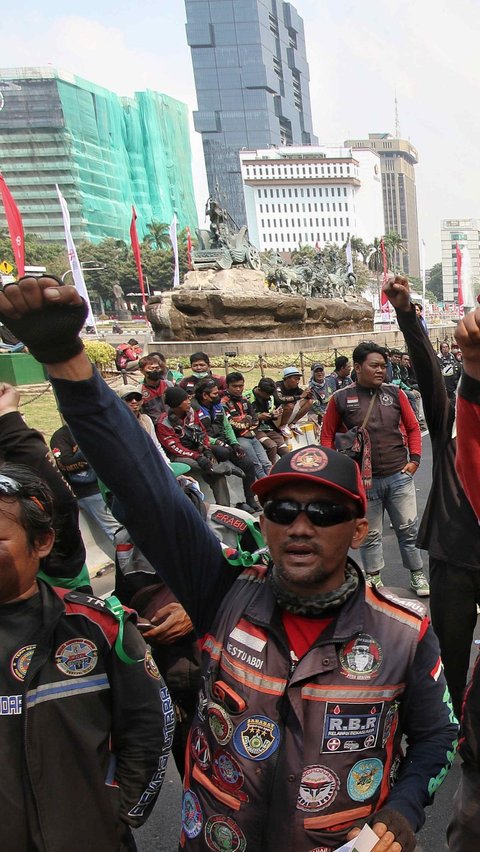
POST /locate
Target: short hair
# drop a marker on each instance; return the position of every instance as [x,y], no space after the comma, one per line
[148,359]
[418,305]
[395,352]
[199,356]
[34,498]
[133,342]
[267,385]
[341,362]
[202,387]
[234,377]
[363,350]
[158,355]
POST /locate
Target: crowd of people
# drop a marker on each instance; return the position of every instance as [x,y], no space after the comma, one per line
[301,697]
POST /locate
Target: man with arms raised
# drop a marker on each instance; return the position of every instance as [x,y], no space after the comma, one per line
[310,678]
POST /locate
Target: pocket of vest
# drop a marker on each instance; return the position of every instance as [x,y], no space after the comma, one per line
[220,795]
[337,820]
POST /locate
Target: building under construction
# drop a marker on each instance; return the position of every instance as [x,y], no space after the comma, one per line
[105,152]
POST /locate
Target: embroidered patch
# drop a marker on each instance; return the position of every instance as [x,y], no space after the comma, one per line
[150,665]
[385,399]
[394,770]
[311,459]
[227,519]
[199,748]
[250,635]
[350,727]
[256,738]
[361,658]
[192,817]
[77,657]
[224,835]
[227,773]
[364,779]
[21,661]
[390,720]
[318,788]
[220,723]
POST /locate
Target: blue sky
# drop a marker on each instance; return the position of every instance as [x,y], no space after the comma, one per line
[359,54]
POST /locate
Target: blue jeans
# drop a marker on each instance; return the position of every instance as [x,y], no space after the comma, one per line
[397,495]
[95,508]
[257,455]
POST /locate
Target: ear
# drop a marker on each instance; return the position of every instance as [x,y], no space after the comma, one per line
[360,533]
[44,543]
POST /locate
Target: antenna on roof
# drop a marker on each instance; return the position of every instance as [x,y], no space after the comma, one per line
[397,120]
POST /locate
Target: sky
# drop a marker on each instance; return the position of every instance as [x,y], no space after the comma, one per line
[360,56]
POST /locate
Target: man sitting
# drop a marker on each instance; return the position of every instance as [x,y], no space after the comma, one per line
[200,364]
[295,402]
[153,387]
[264,405]
[244,422]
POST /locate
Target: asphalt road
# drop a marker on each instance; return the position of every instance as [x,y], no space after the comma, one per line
[160,834]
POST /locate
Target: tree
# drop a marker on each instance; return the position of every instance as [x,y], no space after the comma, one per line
[158,235]
[304,252]
[394,246]
[359,247]
[435,283]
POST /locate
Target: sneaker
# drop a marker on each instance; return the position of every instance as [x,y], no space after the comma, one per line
[374,580]
[419,584]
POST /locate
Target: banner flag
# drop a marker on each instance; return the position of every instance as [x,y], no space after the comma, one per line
[348,252]
[173,238]
[459,280]
[136,253]
[15,227]
[75,265]
[385,304]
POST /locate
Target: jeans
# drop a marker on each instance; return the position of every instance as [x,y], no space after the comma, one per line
[257,455]
[94,507]
[396,494]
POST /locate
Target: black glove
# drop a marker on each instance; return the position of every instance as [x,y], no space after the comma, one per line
[205,464]
[238,452]
[398,825]
[52,333]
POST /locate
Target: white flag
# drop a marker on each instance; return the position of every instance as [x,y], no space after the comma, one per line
[75,266]
[173,238]
[348,252]
[468,297]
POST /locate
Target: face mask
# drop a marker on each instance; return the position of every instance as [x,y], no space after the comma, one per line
[154,375]
[201,375]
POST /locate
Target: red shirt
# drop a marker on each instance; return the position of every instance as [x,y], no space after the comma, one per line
[302,632]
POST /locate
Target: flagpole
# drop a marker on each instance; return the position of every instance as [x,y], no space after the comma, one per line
[136,253]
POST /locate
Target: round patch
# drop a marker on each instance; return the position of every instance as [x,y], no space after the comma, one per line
[361,658]
[390,718]
[364,779]
[77,657]
[199,748]
[309,460]
[227,772]
[21,661]
[333,743]
[318,788]
[256,738]
[220,723]
[224,835]
[385,399]
[151,666]
[192,817]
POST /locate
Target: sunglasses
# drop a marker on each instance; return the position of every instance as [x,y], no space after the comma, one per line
[285,512]
[133,397]
[11,488]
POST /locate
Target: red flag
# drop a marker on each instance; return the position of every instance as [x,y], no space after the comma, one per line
[136,253]
[15,227]
[459,280]
[385,304]
[189,247]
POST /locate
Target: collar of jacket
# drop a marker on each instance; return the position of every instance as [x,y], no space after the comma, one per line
[52,609]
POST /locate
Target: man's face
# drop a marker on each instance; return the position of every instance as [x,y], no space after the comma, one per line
[345,371]
[181,410]
[154,370]
[134,403]
[371,373]
[319,375]
[18,563]
[444,348]
[395,358]
[405,361]
[418,310]
[236,388]
[292,382]
[263,394]
[200,366]
[311,560]
[212,395]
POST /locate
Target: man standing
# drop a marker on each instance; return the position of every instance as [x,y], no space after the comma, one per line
[311,679]
[391,457]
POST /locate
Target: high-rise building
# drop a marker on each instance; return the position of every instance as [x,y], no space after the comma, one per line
[105,153]
[466,234]
[397,159]
[252,83]
[311,196]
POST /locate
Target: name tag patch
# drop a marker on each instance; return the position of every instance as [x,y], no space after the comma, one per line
[351,727]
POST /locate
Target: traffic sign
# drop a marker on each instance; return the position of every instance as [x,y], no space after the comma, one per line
[6,267]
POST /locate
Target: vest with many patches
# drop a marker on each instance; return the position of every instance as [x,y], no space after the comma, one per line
[313,747]
[387,434]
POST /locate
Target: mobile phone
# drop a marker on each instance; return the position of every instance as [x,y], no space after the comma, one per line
[143,626]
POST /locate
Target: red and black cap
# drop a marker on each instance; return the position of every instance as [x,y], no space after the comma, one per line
[319,465]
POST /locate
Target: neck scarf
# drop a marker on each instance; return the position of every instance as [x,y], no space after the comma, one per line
[314,606]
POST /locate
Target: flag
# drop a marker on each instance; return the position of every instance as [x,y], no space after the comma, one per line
[385,304]
[189,247]
[15,227]
[173,238]
[348,252]
[424,273]
[75,265]
[467,291]
[459,280]
[136,253]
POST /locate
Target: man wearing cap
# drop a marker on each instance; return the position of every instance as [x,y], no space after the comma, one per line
[295,401]
[311,679]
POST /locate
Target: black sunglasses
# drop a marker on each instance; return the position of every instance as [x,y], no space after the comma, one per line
[285,512]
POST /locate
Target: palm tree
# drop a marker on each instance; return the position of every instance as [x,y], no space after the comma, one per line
[158,235]
[358,247]
[394,246]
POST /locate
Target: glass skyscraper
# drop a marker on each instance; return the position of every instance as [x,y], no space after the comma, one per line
[252,82]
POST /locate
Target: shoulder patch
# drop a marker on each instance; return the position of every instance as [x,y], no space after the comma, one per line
[407,604]
[230,520]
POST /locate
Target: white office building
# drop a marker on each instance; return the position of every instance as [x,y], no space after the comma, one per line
[311,195]
[465,233]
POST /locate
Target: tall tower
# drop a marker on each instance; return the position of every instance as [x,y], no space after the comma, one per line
[397,160]
[252,83]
